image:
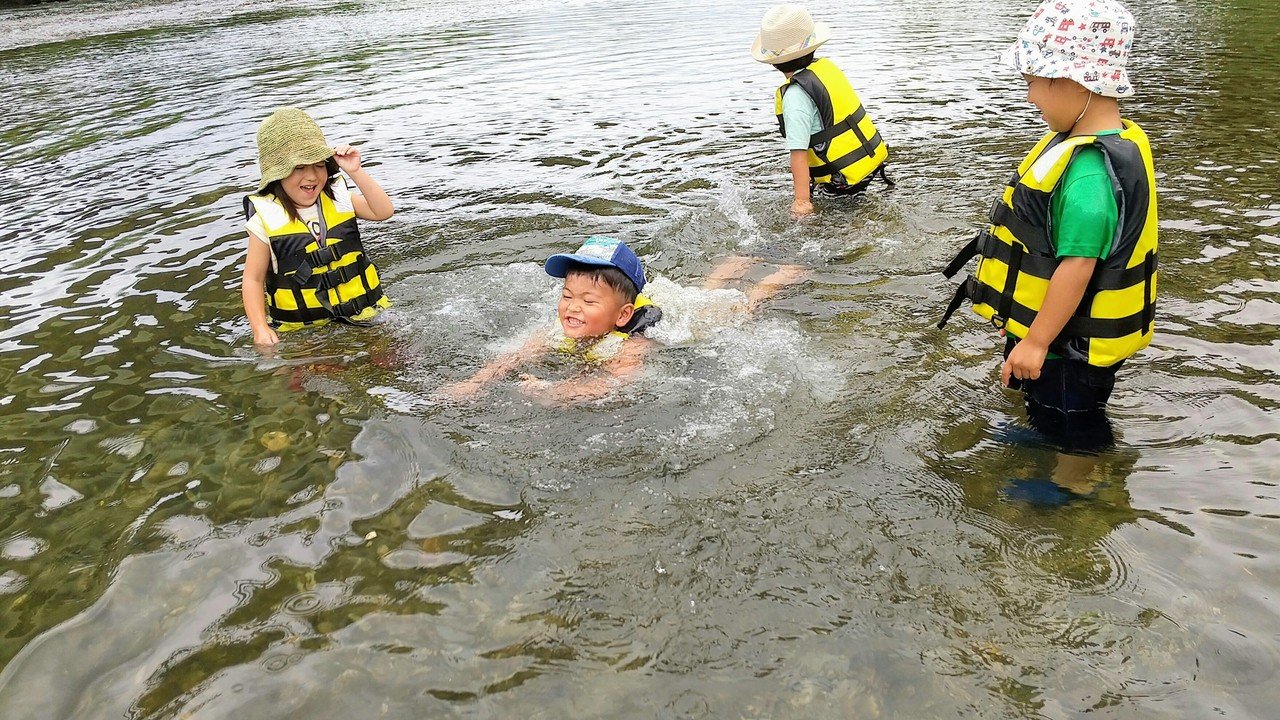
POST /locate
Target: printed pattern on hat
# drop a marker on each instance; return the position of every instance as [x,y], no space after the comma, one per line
[1084,40]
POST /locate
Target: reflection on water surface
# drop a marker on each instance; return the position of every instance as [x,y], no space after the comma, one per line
[826,510]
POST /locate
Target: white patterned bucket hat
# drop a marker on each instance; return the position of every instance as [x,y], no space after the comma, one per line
[786,33]
[1084,40]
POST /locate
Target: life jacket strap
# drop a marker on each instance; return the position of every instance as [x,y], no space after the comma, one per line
[1002,214]
[962,294]
[331,279]
[1148,307]
[849,124]
[866,150]
[343,312]
[304,264]
[1010,286]
[1077,326]
[962,258]
[1030,263]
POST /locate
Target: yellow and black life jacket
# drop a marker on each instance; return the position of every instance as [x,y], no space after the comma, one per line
[1017,256]
[849,148]
[645,316]
[314,280]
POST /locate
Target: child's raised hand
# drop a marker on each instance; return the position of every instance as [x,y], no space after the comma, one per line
[347,157]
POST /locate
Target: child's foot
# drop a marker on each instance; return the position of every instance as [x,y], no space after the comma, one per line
[769,286]
[730,268]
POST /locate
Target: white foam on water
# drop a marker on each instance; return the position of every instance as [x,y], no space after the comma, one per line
[732,203]
[690,314]
[718,377]
[745,374]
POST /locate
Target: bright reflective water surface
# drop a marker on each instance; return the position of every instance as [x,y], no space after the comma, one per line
[828,510]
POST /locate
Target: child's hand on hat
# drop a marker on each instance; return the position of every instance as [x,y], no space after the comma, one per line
[348,158]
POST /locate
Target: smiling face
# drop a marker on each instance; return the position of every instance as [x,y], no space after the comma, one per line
[304,184]
[590,308]
[1060,100]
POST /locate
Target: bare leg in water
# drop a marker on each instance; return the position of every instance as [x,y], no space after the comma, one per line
[770,285]
[735,267]
[728,270]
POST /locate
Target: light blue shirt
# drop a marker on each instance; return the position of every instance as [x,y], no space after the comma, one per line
[800,116]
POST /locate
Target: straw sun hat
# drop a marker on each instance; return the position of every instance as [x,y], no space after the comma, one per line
[286,139]
[786,33]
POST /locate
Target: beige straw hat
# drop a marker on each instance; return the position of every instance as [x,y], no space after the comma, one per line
[286,139]
[786,33]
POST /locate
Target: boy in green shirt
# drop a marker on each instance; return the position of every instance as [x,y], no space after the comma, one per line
[1067,268]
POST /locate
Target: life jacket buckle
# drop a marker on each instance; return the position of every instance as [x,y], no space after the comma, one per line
[998,322]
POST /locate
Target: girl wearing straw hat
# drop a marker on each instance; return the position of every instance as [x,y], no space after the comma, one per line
[306,265]
[834,145]
[1068,263]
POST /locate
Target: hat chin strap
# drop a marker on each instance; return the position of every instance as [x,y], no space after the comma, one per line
[1082,112]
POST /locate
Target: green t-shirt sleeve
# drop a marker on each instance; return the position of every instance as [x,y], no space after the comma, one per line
[1084,212]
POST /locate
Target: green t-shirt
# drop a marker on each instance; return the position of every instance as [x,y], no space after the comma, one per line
[1083,213]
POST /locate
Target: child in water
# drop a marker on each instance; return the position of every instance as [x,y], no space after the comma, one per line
[833,143]
[1067,268]
[602,317]
[306,264]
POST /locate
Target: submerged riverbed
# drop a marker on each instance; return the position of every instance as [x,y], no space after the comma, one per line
[825,510]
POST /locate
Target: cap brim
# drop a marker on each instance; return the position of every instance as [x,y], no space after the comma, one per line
[558,265]
[821,32]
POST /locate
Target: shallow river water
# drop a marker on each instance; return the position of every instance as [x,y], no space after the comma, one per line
[828,509]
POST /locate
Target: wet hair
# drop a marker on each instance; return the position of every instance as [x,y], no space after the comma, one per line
[611,276]
[276,190]
[799,63]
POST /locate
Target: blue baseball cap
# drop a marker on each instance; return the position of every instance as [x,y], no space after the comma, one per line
[600,251]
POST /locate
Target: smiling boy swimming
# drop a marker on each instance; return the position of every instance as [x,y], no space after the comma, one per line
[601,317]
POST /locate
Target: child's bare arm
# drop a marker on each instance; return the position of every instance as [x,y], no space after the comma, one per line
[802,204]
[1066,289]
[373,202]
[253,292]
[500,366]
[616,371]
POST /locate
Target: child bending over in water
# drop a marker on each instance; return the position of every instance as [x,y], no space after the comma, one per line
[602,318]
[832,143]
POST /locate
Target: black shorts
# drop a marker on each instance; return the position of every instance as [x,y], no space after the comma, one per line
[1068,402]
[839,187]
